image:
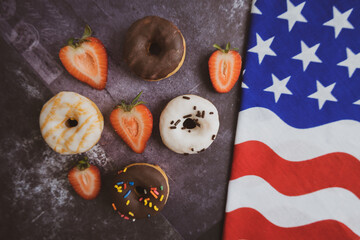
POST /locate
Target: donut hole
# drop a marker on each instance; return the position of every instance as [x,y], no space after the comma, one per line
[141,191]
[71,122]
[154,48]
[189,123]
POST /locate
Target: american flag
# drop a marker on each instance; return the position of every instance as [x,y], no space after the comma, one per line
[296,169]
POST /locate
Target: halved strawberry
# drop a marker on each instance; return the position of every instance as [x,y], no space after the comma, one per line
[85,179]
[224,68]
[133,123]
[86,59]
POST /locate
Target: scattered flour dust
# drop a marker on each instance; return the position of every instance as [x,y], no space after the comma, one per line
[44,185]
[98,157]
[40,178]
[237,5]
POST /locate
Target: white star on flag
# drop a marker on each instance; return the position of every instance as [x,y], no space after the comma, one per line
[357,102]
[293,14]
[352,62]
[262,48]
[278,87]
[254,9]
[323,94]
[307,55]
[339,21]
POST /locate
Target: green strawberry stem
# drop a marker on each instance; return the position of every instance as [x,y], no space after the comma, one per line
[76,42]
[83,164]
[227,48]
[134,103]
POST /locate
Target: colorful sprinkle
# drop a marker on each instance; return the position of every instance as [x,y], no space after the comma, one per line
[124,186]
[145,202]
[119,183]
[127,194]
[140,199]
[119,171]
[126,217]
[152,193]
[156,192]
[131,183]
[150,204]
[148,216]
[119,190]
[161,198]
[131,214]
[114,207]
[133,219]
[156,208]
[127,202]
[161,187]
[125,169]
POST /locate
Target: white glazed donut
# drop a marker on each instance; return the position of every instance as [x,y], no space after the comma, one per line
[189,124]
[71,123]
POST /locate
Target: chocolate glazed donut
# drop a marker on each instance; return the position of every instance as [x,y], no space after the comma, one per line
[154,48]
[140,190]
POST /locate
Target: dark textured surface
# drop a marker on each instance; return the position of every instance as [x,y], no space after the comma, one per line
[37,202]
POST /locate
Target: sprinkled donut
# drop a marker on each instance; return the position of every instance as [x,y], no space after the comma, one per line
[140,190]
[71,123]
[189,124]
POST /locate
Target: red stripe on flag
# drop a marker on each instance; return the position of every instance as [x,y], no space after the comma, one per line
[296,178]
[249,224]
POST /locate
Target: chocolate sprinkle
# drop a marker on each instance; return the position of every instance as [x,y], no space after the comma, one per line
[183,128]
[177,122]
[185,97]
[192,149]
[213,137]
[194,108]
[203,114]
[186,154]
[201,150]
[189,130]
[172,127]
[172,122]
[198,114]
[198,124]
[211,113]
[187,116]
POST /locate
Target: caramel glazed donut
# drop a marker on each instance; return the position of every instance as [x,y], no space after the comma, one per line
[154,48]
[71,123]
[189,124]
[140,190]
